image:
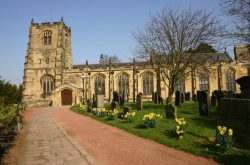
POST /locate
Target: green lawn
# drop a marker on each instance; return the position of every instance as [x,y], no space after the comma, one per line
[195,140]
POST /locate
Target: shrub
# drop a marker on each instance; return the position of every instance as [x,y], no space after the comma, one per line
[150,120]
[129,117]
[224,138]
[179,129]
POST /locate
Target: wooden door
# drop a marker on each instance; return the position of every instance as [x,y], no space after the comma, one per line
[66,96]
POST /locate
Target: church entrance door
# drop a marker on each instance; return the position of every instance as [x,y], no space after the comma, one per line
[66,96]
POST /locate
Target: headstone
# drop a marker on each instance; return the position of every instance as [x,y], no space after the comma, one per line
[161,100]
[100,101]
[177,98]
[182,98]
[213,100]
[204,101]
[187,96]
[88,106]
[139,102]
[170,111]
[94,101]
[126,109]
[244,83]
[156,98]
[194,97]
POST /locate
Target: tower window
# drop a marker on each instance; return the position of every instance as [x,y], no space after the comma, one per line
[47,84]
[47,38]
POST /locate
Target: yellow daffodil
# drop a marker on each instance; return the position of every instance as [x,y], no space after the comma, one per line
[230,132]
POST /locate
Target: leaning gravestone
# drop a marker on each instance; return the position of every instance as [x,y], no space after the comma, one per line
[139,102]
[126,109]
[177,98]
[204,107]
[170,111]
[187,96]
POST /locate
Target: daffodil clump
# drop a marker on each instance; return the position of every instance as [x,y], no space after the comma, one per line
[150,120]
[224,138]
[82,107]
[111,114]
[99,112]
[179,129]
[129,117]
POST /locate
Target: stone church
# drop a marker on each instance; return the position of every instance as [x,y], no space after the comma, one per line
[50,77]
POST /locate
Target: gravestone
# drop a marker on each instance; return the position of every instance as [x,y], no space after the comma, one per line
[153,97]
[194,97]
[88,106]
[198,96]
[94,101]
[244,83]
[99,101]
[170,111]
[182,98]
[187,96]
[126,109]
[160,100]
[177,98]
[139,104]
[204,101]
[213,100]
[156,98]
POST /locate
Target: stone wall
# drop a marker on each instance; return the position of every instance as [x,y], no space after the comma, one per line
[235,113]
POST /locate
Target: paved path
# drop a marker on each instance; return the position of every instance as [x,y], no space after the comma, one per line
[45,143]
[111,146]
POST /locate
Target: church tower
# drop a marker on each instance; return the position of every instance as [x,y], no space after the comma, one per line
[48,56]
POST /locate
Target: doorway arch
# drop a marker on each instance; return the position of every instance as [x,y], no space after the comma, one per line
[66,96]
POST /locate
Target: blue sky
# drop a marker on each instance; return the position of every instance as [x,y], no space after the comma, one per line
[98,27]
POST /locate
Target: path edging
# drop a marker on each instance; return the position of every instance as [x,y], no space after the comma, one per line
[82,151]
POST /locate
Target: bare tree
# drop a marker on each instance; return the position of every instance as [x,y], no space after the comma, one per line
[240,11]
[167,38]
[105,59]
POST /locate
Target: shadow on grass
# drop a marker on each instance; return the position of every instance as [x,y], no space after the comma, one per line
[204,121]
[140,126]
[169,133]
[229,157]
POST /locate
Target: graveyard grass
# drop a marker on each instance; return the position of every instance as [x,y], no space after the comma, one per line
[198,137]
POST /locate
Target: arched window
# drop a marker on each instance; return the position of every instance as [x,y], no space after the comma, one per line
[47,84]
[123,83]
[204,80]
[99,84]
[47,37]
[230,80]
[147,81]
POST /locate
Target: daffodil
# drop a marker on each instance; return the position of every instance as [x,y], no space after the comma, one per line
[230,132]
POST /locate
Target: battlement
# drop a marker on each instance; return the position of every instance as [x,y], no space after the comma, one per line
[48,24]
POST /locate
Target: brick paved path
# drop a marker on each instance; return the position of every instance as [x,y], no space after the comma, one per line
[45,143]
